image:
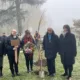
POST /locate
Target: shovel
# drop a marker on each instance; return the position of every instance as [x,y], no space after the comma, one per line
[41,72]
[16,59]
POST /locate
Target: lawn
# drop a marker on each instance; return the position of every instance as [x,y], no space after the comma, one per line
[32,76]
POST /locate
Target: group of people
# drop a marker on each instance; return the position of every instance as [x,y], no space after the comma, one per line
[65,45]
[7,48]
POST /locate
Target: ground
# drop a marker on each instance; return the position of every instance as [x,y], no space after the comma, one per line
[32,76]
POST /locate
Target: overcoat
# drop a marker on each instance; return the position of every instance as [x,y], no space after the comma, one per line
[67,48]
[51,48]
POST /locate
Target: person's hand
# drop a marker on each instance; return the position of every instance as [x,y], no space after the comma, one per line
[15,48]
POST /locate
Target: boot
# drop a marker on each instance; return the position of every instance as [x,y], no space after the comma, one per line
[12,71]
[1,72]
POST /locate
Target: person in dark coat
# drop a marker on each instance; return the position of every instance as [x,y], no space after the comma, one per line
[11,53]
[67,50]
[1,55]
[51,47]
[4,37]
[28,55]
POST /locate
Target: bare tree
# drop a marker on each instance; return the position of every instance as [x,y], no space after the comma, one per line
[13,12]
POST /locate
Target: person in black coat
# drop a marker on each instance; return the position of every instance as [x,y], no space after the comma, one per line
[67,50]
[11,53]
[4,37]
[1,55]
[51,47]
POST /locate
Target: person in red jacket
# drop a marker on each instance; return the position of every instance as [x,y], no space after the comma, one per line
[27,41]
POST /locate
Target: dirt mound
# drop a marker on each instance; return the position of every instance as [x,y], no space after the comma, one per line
[38,63]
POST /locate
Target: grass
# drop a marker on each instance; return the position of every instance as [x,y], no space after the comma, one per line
[32,76]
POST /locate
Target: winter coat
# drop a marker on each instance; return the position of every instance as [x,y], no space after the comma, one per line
[51,48]
[67,48]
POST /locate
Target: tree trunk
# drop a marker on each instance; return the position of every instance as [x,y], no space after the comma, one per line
[19,21]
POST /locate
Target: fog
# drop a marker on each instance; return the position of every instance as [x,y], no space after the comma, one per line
[60,12]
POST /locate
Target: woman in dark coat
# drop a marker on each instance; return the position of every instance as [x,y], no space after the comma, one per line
[51,46]
[67,50]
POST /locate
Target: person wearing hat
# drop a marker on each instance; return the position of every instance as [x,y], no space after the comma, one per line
[51,47]
[11,53]
[67,51]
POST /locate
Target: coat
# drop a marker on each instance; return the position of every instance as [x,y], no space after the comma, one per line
[1,46]
[67,49]
[1,51]
[51,48]
[4,38]
[10,51]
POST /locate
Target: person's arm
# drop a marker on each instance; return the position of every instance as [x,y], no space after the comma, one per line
[22,42]
[4,48]
[33,41]
[60,44]
[74,45]
[57,44]
[43,43]
[8,44]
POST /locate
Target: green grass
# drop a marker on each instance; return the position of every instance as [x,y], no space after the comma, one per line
[32,76]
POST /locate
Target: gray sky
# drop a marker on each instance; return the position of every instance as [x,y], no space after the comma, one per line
[60,12]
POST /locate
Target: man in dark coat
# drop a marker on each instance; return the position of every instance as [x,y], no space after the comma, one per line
[67,50]
[1,55]
[11,53]
[51,46]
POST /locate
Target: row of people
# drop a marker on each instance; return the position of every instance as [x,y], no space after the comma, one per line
[65,45]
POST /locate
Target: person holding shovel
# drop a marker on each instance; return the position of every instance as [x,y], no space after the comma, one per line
[11,53]
[51,47]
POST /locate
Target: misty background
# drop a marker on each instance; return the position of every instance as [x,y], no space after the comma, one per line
[37,14]
[60,12]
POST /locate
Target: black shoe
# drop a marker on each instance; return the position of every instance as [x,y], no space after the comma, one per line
[17,74]
[31,70]
[64,74]
[28,71]
[69,78]
[1,75]
[13,75]
[51,75]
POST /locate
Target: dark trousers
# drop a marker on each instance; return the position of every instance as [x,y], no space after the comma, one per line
[13,64]
[29,61]
[1,64]
[68,69]
[51,66]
